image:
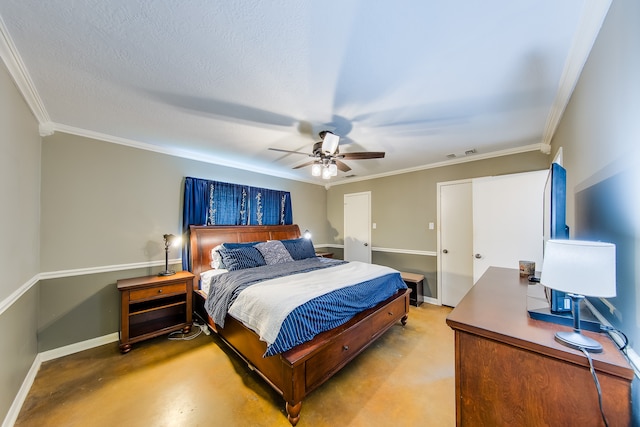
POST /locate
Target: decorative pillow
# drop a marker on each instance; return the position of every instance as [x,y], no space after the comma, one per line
[241,258]
[274,252]
[216,259]
[300,248]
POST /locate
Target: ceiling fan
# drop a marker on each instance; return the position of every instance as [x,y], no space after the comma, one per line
[327,157]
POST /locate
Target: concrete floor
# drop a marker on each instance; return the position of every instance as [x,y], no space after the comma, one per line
[406,378]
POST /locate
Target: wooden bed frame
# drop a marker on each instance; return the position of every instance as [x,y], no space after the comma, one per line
[297,372]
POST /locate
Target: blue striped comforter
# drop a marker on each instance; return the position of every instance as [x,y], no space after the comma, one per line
[299,305]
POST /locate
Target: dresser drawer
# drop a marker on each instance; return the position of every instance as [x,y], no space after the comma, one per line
[157,291]
[389,315]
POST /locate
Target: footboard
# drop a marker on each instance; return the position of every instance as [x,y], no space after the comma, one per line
[297,372]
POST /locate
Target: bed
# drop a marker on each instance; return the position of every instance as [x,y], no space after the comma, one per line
[296,372]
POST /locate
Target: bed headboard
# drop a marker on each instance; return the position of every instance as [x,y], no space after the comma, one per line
[206,237]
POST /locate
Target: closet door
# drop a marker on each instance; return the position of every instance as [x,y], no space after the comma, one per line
[492,221]
[507,220]
[455,246]
[357,227]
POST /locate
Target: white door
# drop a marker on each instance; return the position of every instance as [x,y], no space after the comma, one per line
[455,246]
[357,227]
[507,220]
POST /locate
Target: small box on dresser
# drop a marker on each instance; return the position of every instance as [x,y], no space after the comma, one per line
[154,305]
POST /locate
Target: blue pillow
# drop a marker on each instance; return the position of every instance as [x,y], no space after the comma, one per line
[231,245]
[241,258]
[300,248]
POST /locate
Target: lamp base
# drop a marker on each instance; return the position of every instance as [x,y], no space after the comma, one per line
[167,273]
[577,340]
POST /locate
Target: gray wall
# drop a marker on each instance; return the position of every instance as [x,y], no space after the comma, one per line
[108,205]
[403,205]
[600,137]
[20,231]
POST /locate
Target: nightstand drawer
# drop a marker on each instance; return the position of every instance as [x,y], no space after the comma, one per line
[157,291]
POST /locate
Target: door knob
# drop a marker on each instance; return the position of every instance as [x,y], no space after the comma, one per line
[366,244]
[444,251]
[478,256]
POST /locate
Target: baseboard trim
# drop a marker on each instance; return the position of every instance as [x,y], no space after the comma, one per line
[45,356]
[79,346]
[18,401]
[430,300]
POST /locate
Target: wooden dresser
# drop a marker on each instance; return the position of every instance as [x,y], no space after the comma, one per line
[510,371]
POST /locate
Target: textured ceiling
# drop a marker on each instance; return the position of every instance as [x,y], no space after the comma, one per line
[224,81]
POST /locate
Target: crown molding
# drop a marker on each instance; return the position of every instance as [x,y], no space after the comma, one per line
[53,127]
[472,158]
[591,19]
[57,127]
[17,69]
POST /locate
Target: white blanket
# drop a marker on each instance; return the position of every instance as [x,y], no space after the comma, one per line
[264,306]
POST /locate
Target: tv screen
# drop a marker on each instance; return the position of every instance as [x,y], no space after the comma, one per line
[555,204]
[555,224]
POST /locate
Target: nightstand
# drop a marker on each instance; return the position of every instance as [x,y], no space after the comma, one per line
[154,305]
[325,254]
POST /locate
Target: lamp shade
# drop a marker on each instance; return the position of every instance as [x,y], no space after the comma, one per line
[330,143]
[326,173]
[580,267]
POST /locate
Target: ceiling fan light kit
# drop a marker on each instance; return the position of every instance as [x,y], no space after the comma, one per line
[330,143]
[324,168]
[326,173]
[327,157]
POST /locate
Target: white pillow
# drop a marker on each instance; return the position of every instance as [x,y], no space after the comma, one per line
[216,259]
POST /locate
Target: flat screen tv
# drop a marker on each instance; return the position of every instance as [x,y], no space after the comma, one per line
[555,204]
[551,305]
[555,224]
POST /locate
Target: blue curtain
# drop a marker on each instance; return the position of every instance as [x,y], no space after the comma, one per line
[227,204]
[194,212]
[269,207]
[221,203]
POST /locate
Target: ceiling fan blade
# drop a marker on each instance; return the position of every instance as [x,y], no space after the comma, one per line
[362,155]
[289,151]
[342,166]
[304,164]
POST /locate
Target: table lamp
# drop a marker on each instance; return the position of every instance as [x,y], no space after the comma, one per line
[169,239]
[579,268]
